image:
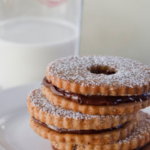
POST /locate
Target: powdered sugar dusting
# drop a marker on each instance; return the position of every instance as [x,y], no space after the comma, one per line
[40,101]
[143,127]
[128,72]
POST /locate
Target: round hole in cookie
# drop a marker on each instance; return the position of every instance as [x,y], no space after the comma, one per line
[102,70]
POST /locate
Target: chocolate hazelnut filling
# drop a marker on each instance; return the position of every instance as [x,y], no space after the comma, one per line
[72,131]
[96,100]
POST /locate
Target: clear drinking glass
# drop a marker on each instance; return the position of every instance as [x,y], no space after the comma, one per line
[32,34]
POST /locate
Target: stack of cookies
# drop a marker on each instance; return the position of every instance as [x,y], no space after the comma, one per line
[93,103]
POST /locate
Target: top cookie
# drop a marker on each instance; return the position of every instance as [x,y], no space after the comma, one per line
[100,75]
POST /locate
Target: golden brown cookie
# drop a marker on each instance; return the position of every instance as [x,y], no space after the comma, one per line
[45,111]
[104,75]
[102,147]
[97,138]
[138,138]
[119,109]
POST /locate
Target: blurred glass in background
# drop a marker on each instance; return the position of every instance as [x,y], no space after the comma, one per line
[32,34]
[35,32]
[117,27]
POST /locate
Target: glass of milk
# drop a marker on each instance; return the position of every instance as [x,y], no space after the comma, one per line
[32,34]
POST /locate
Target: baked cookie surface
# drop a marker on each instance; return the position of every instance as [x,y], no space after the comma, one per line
[42,109]
[104,75]
[105,137]
[93,103]
[117,109]
[139,137]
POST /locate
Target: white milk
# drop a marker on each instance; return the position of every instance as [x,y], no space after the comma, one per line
[27,46]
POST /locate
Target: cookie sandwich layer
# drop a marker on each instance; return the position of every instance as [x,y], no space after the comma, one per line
[140,137]
[100,75]
[124,108]
[45,111]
